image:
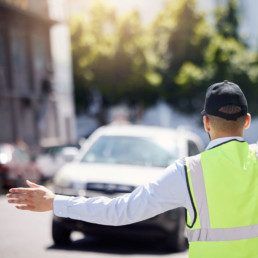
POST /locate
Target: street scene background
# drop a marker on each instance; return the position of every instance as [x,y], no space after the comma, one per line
[68,67]
[29,235]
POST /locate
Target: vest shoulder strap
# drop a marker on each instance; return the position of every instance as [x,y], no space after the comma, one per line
[255,148]
[198,188]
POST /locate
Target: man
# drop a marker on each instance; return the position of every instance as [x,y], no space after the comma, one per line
[218,188]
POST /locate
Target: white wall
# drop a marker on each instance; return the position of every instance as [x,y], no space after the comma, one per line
[62,65]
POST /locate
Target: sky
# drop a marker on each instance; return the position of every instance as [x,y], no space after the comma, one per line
[147,8]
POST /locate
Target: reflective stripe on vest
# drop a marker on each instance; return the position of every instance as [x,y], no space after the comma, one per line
[206,233]
[223,234]
[196,172]
[255,148]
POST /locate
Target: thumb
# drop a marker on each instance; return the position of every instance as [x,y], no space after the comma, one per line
[31,184]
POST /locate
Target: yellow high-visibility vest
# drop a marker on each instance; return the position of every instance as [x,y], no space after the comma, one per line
[223,187]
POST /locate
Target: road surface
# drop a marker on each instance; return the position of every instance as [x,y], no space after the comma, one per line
[26,234]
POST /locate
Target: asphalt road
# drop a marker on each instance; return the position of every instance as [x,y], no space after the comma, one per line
[27,234]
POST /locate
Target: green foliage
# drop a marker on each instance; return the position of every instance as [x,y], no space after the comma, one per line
[181,34]
[198,55]
[176,57]
[227,20]
[109,55]
[229,59]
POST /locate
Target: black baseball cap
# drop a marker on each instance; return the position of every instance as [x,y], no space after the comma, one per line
[223,94]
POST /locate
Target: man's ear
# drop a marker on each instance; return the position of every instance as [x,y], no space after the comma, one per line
[247,121]
[206,123]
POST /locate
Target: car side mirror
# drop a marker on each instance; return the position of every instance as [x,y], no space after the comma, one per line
[69,153]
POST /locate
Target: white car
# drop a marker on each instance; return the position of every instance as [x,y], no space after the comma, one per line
[114,161]
[52,158]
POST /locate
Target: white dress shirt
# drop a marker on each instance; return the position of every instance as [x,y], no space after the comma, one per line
[168,191]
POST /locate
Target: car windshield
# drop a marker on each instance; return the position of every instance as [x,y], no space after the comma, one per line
[133,151]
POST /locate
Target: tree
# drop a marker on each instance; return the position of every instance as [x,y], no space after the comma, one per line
[227,21]
[228,55]
[92,36]
[181,36]
[227,58]
[109,55]
[176,57]
[197,55]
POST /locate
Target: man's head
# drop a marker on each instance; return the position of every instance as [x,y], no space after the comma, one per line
[225,110]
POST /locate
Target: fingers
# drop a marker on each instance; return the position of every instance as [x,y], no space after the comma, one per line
[21,190]
[24,201]
[31,184]
[19,198]
[19,201]
[15,196]
[25,207]
[25,190]
[37,198]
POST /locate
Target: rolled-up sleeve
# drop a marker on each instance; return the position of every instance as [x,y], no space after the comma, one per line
[164,193]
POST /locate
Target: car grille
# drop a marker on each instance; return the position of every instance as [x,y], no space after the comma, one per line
[109,188]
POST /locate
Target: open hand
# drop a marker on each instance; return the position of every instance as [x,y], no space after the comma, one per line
[34,198]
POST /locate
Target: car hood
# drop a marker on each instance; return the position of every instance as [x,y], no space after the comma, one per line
[105,173]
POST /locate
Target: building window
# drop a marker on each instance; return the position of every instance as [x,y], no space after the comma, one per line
[3,72]
[40,60]
[7,132]
[19,62]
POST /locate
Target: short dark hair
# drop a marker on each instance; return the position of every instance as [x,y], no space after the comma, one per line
[228,125]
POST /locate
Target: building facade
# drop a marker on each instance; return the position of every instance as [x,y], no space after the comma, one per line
[36,88]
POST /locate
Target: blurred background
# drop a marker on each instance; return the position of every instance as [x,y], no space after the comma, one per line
[68,67]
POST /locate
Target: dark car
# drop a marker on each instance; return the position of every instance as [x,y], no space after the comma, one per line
[16,166]
[114,161]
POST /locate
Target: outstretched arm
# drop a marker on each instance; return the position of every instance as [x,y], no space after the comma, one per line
[167,192]
[35,198]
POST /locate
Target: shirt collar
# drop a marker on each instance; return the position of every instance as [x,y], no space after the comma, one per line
[219,141]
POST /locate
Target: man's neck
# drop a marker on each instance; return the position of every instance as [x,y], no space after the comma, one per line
[223,135]
[219,141]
